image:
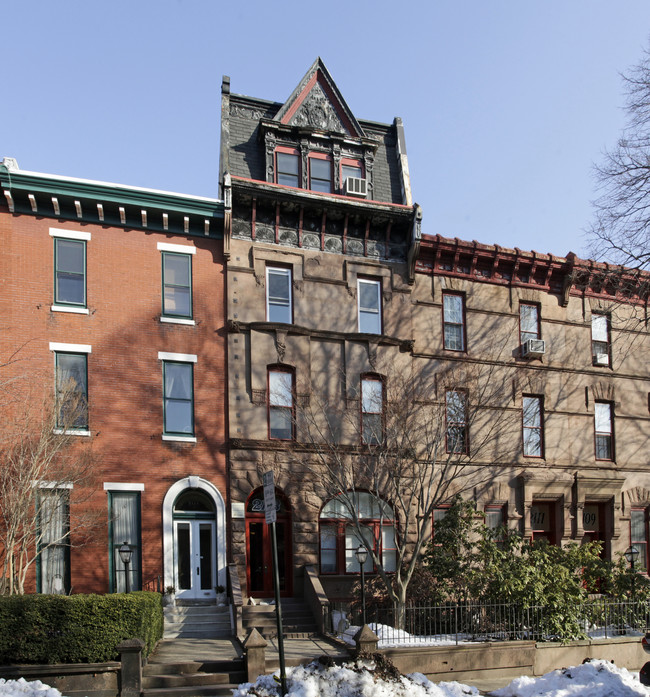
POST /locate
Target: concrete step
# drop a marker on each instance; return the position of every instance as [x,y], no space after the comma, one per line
[197,622]
[215,690]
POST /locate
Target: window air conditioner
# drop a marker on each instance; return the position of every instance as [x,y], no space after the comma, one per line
[533,348]
[356,186]
[601,359]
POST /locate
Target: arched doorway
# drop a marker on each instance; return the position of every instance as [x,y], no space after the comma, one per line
[259,566]
[194,539]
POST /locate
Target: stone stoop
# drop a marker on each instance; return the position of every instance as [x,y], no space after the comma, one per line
[197,622]
[297,619]
[192,678]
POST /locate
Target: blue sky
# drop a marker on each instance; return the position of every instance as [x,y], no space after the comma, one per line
[506,103]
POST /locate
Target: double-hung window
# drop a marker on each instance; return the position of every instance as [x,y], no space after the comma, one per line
[280,404]
[604,430]
[456,415]
[287,167]
[639,536]
[369,306]
[320,173]
[372,408]
[350,169]
[453,313]
[278,295]
[53,540]
[528,322]
[178,396]
[71,379]
[69,270]
[600,340]
[533,426]
[124,526]
[176,282]
[495,516]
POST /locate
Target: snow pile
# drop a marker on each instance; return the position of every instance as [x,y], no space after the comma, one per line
[22,688]
[389,636]
[593,679]
[350,680]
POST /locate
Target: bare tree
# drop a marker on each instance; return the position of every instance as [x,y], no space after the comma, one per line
[45,480]
[400,447]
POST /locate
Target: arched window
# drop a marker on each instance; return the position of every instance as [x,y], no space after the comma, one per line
[339,538]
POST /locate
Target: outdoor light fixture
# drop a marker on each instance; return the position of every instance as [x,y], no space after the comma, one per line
[125,556]
[631,554]
[362,556]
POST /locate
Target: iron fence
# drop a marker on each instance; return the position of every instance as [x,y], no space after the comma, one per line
[453,623]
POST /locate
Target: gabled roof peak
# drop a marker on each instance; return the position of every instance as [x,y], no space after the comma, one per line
[317,103]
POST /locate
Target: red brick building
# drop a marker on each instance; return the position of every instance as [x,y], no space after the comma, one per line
[122,289]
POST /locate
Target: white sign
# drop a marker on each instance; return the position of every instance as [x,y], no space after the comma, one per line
[269,498]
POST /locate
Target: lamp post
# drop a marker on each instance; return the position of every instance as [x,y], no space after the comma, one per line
[631,554]
[125,555]
[362,556]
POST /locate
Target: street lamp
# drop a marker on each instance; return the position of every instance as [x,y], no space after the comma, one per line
[362,556]
[631,554]
[125,555]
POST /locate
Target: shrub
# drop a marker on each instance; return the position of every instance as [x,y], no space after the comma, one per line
[76,628]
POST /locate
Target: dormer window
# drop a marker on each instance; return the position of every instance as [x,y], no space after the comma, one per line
[320,173]
[287,167]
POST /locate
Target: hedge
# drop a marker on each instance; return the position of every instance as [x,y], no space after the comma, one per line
[76,628]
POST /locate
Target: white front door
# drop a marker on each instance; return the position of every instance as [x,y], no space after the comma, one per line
[194,559]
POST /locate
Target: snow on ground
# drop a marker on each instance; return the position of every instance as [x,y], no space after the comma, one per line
[22,688]
[389,636]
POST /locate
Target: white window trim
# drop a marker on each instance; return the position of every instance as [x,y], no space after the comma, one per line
[179,357]
[178,248]
[289,273]
[71,432]
[379,286]
[67,308]
[121,486]
[177,320]
[180,439]
[70,234]
[54,485]
[71,348]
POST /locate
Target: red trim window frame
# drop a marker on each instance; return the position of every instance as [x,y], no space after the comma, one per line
[453,322]
[456,420]
[529,314]
[532,425]
[319,158]
[639,536]
[600,337]
[286,176]
[281,402]
[604,441]
[371,407]
[350,163]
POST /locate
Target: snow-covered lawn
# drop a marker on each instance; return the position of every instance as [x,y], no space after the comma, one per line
[359,679]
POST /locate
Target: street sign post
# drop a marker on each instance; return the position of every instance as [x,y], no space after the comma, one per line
[270,514]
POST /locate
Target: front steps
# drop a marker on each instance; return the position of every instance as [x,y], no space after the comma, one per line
[192,678]
[197,622]
[297,619]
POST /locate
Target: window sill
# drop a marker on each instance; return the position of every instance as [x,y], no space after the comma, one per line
[178,320]
[180,439]
[66,308]
[72,432]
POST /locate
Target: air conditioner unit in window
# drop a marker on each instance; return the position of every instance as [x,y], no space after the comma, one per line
[533,348]
[356,186]
[601,359]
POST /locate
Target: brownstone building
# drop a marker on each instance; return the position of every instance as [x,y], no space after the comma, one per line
[121,290]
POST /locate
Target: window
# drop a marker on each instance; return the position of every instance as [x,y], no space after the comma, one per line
[438,515]
[533,426]
[528,322]
[177,285]
[456,412]
[604,426]
[287,167]
[495,517]
[350,168]
[281,415]
[278,295]
[543,521]
[600,339]
[178,402]
[369,306]
[124,526]
[69,272]
[372,407]
[71,390]
[320,174]
[53,542]
[453,313]
[339,538]
[639,536]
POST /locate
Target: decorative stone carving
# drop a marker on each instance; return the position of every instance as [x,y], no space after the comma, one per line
[280,344]
[317,111]
[246,112]
[234,327]
[372,354]
[258,397]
